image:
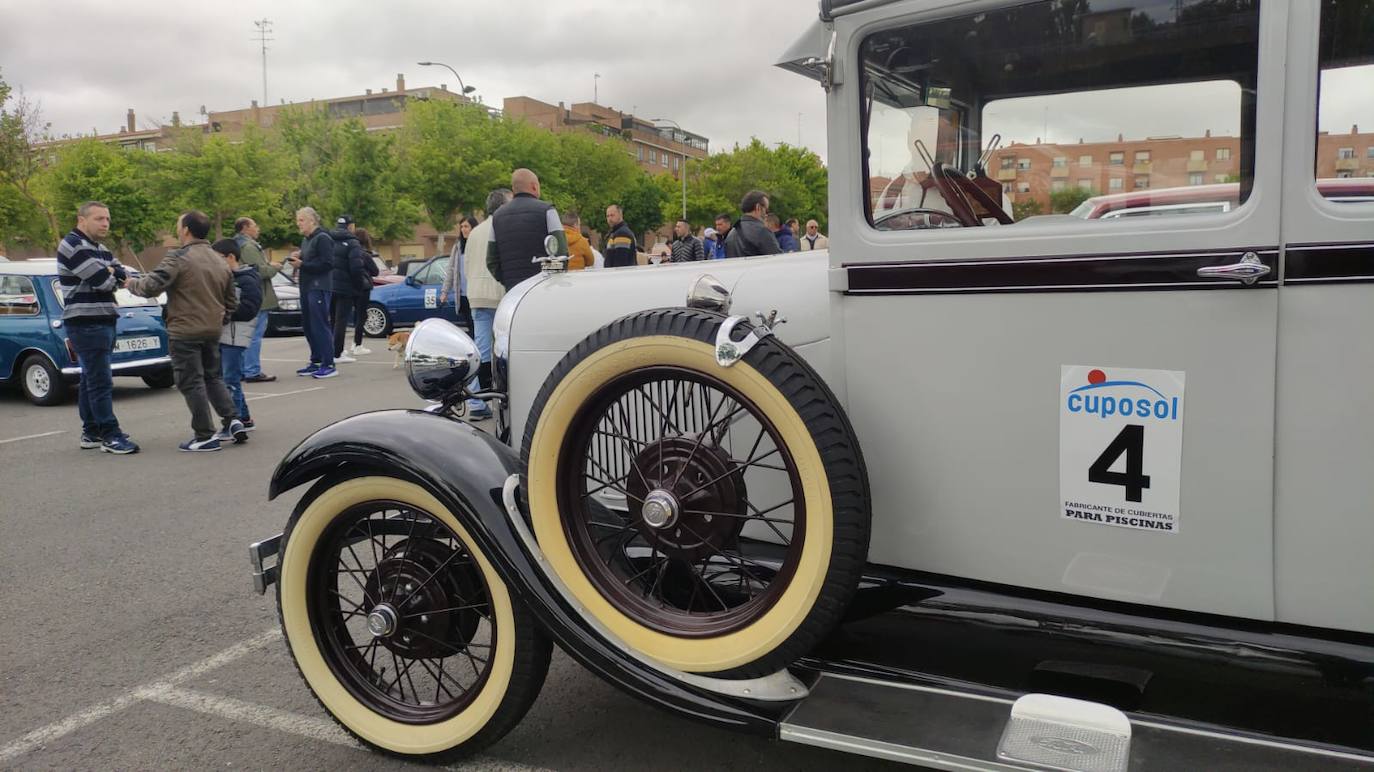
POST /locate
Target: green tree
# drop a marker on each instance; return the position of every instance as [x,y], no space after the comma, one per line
[450,159]
[362,182]
[794,178]
[25,217]
[642,204]
[590,175]
[225,179]
[1020,210]
[1068,199]
[91,170]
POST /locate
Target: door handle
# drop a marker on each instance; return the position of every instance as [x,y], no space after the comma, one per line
[1248,271]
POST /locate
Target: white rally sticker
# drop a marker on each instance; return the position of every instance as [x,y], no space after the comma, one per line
[1121,446]
[431,298]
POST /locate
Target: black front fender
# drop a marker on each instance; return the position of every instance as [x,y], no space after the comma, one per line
[466,470]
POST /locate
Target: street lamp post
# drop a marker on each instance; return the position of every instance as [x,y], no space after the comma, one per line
[684,165]
[465,89]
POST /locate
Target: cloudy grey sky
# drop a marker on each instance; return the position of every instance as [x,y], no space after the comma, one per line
[704,63]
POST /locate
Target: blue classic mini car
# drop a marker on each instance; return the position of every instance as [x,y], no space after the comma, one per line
[34,352]
[416,298]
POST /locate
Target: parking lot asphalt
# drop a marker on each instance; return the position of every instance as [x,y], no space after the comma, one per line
[131,637]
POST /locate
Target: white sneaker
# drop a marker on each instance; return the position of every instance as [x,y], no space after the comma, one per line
[344,359]
[361,351]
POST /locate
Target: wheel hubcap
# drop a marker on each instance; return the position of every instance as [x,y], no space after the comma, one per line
[682,481]
[660,509]
[382,621]
[376,321]
[38,381]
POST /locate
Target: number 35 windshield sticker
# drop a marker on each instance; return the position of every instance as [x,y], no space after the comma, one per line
[1121,446]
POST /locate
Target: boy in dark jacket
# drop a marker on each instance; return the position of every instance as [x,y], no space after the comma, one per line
[350,278]
[238,330]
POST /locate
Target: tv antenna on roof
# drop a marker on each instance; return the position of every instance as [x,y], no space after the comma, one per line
[264,29]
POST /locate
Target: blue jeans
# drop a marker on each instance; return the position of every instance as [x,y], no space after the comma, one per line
[252,362]
[231,361]
[94,345]
[319,333]
[482,319]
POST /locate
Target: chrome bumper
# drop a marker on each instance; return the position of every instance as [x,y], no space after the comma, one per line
[258,552]
[137,364]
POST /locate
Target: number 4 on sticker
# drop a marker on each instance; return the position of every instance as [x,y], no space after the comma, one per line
[1131,442]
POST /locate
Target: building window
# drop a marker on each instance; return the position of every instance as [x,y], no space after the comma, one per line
[677,162]
[1196,155]
[1085,160]
[1058,186]
[1008,162]
[1023,164]
[664,159]
[1117,158]
[1142,181]
[1345,153]
[1060,162]
[1085,184]
[640,148]
[1142,156]
[1023,187]
[1219,178]
[1223,154]
[653,156]
[1115,183]
[1195,178]
[1369,152]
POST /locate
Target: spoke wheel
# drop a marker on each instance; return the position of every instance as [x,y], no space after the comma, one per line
[403,612]
[401,627]
[376,323]
[691,554]
[713,518]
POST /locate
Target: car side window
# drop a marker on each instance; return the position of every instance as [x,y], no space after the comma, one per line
[18,296]
[1036,109]
[433,273]
[1344,167]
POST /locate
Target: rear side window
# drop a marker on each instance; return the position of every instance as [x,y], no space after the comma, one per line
[1345,106]
[17,296]
[1154,101]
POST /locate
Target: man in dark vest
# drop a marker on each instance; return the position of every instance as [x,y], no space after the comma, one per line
[519,229]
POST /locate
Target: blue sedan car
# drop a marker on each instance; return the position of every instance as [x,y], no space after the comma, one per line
[411,300]
[35,353]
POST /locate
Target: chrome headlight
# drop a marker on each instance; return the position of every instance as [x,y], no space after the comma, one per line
[289,305]
[708,293]
[440,360]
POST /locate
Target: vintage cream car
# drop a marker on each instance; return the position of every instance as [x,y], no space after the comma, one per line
[1043,494]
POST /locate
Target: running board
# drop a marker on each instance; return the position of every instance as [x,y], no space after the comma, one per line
[944,728]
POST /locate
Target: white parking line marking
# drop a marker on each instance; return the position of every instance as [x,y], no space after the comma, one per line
[44,735]
[32,436]
[358,362]
[283,394]
[252,713]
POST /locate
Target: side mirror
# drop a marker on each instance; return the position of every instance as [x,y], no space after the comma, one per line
[411,281]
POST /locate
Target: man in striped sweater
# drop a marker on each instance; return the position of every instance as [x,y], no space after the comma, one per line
[89,275]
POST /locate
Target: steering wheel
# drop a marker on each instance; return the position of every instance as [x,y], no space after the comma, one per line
[914,218]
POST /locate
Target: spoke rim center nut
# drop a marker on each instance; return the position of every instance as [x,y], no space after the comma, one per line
[660,509]
[382,621]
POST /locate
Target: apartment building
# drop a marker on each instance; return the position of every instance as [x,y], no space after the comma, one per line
[656,149]
[1035,171]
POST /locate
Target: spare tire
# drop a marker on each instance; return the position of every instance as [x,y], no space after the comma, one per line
[714,518]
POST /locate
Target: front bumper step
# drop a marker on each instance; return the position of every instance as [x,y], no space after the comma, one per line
[949,728]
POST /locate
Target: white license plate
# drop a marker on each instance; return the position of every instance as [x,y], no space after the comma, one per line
[136,344]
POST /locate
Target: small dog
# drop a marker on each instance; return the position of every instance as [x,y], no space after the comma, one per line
[397,342]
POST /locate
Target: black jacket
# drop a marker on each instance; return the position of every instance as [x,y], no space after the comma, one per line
[518,231]
[687,249]
[317,262]
[349,273]
[620,247]
[750,237]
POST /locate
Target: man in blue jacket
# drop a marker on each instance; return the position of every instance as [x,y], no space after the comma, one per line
[315,264]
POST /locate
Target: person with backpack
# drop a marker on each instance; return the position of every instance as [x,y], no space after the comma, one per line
[238,331]
[349,276]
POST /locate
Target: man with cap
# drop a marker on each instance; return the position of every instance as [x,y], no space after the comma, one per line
[349,276]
